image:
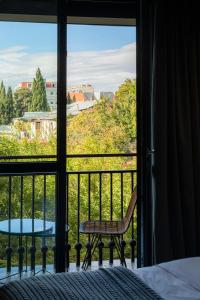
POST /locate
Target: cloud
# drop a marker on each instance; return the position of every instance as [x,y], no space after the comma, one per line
[105,70]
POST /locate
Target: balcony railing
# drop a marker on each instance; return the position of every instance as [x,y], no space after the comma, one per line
[91,195]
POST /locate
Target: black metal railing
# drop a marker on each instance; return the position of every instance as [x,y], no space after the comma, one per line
[91,195]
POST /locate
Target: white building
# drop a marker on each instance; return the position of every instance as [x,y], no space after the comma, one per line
[42,124]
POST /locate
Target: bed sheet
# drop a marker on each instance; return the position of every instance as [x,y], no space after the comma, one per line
[175,280]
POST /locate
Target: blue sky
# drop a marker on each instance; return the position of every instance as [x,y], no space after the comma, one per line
[84,38]
[96,53]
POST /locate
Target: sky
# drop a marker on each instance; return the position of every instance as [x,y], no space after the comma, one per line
[103,56]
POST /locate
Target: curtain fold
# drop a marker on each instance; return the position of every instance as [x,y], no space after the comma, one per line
[174,92]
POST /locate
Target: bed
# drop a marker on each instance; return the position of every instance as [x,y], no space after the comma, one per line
[174,280]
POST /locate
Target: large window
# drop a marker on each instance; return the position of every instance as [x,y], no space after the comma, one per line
[95,176]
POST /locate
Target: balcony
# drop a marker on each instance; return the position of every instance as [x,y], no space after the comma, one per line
[91,195]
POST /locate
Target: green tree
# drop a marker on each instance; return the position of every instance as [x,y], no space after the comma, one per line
[22,101]
[69,100]
[2,104]
[9,106]
[39,99]
[124,108]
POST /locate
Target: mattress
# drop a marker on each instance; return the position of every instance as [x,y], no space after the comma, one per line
[175,280]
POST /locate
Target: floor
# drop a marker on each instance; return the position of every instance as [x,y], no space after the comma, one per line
[5,278]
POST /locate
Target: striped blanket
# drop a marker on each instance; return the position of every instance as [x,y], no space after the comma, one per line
[114,283]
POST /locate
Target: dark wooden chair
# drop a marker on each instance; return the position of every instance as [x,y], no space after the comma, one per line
[108,228]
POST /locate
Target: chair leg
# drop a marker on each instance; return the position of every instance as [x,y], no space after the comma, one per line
[88,255]
[119,251]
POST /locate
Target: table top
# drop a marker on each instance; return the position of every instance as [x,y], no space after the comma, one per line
[28,227]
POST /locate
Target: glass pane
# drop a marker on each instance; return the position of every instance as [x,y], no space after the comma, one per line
[101,122]
[28,88]
[101,95]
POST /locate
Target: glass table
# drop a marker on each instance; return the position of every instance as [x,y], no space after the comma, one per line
[27,227]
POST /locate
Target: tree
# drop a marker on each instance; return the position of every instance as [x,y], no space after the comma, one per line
[124,108]
[22,101]
[39,99]
[69,100]
[2,103]
[9,106]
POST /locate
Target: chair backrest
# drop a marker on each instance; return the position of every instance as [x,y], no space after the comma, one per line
[130,209]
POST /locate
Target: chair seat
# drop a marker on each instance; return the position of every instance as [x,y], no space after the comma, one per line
[102,227]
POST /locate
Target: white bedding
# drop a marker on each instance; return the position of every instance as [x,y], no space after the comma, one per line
[175,280]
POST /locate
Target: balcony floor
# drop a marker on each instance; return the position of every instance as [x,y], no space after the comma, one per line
[38,269]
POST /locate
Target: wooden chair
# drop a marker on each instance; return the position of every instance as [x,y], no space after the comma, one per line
[108,228]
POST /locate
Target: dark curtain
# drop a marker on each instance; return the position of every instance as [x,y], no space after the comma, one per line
[170,73]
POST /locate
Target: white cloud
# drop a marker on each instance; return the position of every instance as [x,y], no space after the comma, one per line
[106,70]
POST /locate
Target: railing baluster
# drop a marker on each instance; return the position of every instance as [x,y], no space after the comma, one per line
[21,248]
[122,243]
[32,248]
[78,245]
[111,242]
[88,245]
[68,247]
[100,244]
[132,241]
[44,248]
[9,249]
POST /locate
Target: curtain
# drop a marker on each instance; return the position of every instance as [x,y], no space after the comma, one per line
[170,43]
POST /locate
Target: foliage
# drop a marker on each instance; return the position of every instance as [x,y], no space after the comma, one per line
[22,101]
[124,108]
[3,118]
[39,98]
[9,105]
[6,105]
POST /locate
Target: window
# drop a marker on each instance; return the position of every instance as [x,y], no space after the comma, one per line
[41,177]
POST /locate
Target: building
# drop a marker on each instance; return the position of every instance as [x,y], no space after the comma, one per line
[77,97]
[81,88]
[86,89]
[74,109]
[42,125]
[51,92]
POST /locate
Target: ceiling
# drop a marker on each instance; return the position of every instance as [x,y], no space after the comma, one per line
[82,8]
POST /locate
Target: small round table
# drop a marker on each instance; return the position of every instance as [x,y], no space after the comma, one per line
[27,227]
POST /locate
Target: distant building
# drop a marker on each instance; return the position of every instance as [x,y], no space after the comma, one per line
[77,97]
[98,95]
[77,107]
[86,89]
[81,88]
[51,91]
[42,124]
